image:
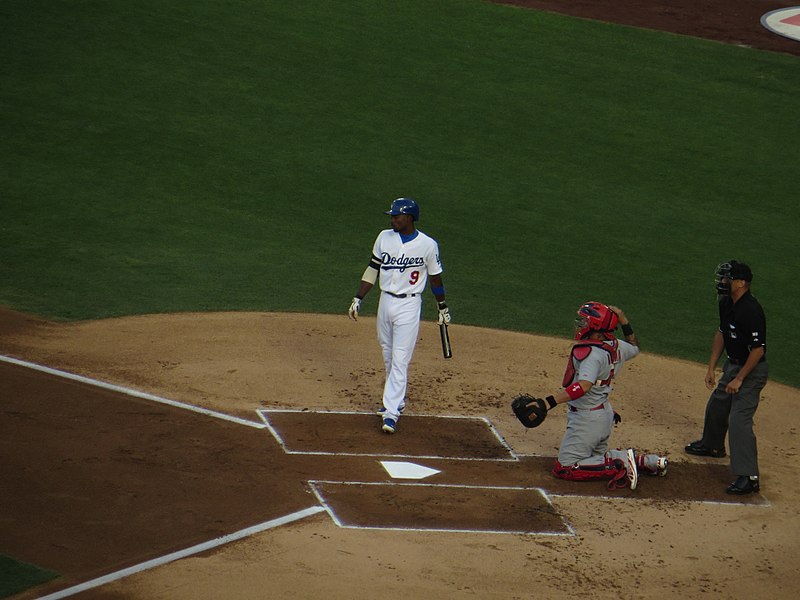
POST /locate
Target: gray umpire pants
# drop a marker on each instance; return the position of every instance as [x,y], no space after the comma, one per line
[733,414]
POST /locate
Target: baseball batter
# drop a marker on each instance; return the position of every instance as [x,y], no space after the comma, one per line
[403,258]
[595,359]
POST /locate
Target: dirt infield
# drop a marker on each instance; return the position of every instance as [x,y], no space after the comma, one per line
[242,448]
[278,420]
[735,22]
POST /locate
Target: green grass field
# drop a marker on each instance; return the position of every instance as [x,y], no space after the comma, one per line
[238,155]
[17,576]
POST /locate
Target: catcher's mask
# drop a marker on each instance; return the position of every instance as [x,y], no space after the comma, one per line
[595,316]
[404,206]
[727,272]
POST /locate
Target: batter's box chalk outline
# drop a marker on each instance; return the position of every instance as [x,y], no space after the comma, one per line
[316,483]
[185,553]
[265,412]
[126,391]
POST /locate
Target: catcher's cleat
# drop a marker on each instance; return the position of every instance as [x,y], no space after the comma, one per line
[652,464]
[630,467]
[389,425]
[382,410]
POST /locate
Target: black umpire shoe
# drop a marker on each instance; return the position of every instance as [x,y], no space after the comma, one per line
[698,449]
[744,485]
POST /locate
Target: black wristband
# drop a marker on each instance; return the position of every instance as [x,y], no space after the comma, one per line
[551,401]
[359,297]
[627,329]
[442,304]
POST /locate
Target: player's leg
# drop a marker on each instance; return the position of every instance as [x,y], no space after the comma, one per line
[405,329]
[578,459]
[651,464]
[385,332]
[619,472]
[741,438]
[715,422]
[586,437]
[575,443]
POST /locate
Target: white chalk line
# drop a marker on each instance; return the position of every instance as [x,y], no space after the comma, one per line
[298,515]
[130,392]
[765,504]
[168,558]
[314,483]
[264,414]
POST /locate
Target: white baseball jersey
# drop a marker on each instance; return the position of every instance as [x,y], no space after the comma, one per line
[405,266]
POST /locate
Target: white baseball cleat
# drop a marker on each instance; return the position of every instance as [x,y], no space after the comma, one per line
[631,471]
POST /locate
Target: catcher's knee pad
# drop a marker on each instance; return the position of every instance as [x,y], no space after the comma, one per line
[611,469]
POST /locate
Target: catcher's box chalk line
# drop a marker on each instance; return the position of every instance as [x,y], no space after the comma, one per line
[316,484]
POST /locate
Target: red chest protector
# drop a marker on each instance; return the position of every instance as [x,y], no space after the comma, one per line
[582,349]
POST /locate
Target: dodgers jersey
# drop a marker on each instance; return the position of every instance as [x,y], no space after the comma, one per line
[598,367]
[405,266]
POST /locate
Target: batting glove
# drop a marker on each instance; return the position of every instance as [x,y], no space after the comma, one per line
[444,314]
[354,308]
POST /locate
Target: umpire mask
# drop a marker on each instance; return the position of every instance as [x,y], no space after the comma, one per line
[722,279]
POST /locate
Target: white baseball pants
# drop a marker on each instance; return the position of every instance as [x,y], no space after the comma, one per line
[398,328]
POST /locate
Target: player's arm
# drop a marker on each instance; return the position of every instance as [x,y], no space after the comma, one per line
[437,287]
[752,360]
[368,280]
[625,324]
[717,347]
[434,265]
[572,391]
[369,277]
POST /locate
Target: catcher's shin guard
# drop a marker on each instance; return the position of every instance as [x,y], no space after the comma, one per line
[611,469]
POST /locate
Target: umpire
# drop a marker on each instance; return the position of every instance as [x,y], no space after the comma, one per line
[732,405]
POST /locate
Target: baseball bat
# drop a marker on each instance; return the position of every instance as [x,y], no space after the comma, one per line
[447,351]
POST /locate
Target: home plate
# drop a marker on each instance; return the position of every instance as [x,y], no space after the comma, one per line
[407,470]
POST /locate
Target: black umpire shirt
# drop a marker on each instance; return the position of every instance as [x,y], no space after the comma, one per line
[743,326]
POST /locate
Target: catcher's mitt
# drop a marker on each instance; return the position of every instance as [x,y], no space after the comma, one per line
[529,410]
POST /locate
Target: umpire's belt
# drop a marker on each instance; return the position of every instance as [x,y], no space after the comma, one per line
[598,407]
[400,295]
[739,361]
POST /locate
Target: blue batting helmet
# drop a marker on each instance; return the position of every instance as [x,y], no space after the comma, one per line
[404,206]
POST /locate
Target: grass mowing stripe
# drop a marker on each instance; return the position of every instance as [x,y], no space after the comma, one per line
[200,156]
[17,576]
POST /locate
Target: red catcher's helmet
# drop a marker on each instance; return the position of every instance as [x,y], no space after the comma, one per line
[595,316]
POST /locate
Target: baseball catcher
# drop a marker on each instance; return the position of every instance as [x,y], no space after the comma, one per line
[595,358]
